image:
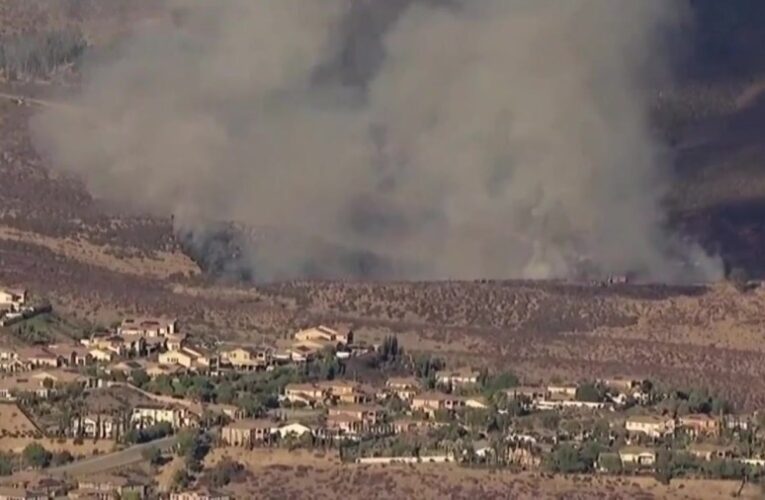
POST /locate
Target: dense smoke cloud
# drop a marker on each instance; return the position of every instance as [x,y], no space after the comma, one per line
[476,138]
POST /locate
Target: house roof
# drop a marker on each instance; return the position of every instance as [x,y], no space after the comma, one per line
[708,448]
[355,408]
[435,396]
[62,376]
[409,382]
[35,352]
[459,372]
[147,322]
[698,417]
[302,387]
[648,419]
[343,417]
[253,423]
[331,384]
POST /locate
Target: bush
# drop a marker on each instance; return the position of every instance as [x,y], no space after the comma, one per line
[224,473]
[35,455]
[6,464]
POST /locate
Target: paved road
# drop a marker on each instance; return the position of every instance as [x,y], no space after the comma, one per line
[111,461]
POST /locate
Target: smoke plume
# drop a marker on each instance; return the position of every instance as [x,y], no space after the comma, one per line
[410,138]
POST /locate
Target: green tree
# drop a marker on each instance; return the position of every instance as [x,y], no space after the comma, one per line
[494,384]
[35,455]
[590,392]
[140,378]
[566,459]
[663,470]
[610,462]
[6,464]
[225,393]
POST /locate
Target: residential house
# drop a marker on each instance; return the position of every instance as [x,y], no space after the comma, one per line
[457,378]
[340,424]
[700,424]
[249,432]
[621,384]
[369,414]
[708,452]
[559,404]
[430,402]
[148,415]
[205,360]
[230,411]
[10,387]
[637,456]
[561,392]
[33,484]
[101,355]
[525,393]
[154,370]
[41,384]
[362,395]
[140,345]
[109,485]
[324,333]
[97,426]
[12,300]
[738,422]
[302,353]
[9,361]
[246,358]
[654,426]
[405,388]
[176,341]
[406,425]
[38,357]
[200,494]
[309,394]
[148,327]
[71,355]
[347,392]
[180,358]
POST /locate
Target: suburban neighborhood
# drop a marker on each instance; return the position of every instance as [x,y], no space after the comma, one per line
[146,381]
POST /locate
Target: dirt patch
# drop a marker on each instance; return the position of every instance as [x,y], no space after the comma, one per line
[86,449]
[14,421]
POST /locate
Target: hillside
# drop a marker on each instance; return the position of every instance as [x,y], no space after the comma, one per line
[95,261]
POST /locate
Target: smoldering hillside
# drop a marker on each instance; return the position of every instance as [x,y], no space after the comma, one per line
[414,139]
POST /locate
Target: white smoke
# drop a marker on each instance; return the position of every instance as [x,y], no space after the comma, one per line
[495,138]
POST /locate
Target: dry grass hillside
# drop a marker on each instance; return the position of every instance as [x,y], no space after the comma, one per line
[279,474]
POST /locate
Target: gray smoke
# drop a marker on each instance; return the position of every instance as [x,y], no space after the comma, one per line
[428,139]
